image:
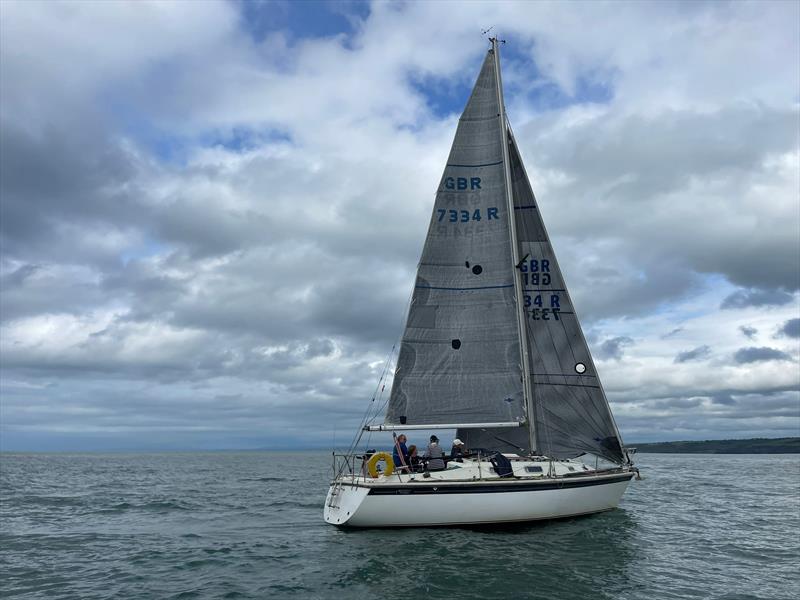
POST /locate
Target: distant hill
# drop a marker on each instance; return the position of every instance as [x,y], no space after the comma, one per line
[788,445]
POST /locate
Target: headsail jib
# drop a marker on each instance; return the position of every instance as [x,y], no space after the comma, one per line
[571,412]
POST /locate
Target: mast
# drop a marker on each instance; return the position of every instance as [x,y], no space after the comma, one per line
[521,330]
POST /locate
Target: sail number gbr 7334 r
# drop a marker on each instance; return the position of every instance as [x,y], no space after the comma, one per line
[465,216]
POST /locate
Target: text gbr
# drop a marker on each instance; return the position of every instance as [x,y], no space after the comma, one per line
[462,183]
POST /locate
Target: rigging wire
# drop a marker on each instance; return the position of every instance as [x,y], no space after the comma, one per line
[373,409]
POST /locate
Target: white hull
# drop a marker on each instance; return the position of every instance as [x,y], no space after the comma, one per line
[398,502]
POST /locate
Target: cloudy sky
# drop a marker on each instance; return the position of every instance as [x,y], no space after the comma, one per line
[212,211]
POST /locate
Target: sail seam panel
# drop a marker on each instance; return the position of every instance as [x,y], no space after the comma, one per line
[482,340]
[474,119]
[462,289]
[562,375]
[420,375]
[575,385]
[499,162]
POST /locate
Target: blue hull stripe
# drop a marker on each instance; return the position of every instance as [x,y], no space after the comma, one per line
[494,488]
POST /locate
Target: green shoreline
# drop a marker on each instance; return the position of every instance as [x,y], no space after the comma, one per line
[789,445]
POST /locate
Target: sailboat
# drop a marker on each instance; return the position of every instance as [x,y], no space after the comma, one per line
[493,349]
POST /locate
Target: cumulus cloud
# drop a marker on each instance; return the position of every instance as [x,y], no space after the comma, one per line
[748,332]
[613,348]
[754,354]
[790,328]
[698,353]
[209,240]
[756,297]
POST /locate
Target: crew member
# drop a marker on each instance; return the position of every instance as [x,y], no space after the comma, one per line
[458,451]
[435,455]
[400,453]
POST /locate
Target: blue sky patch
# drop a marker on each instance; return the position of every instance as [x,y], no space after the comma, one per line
[443,96]
[308,18]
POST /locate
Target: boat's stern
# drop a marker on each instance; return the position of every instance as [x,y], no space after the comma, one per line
[343,501]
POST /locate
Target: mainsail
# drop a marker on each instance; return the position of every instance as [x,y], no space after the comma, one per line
[461,356]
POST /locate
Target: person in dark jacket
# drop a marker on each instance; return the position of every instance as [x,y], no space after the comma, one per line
[413,458]
[400,453]
[458,451]
[435,455]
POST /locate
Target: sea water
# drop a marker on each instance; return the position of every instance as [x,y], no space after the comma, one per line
[249,525]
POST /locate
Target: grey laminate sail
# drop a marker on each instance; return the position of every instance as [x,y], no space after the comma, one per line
[459,358]
[572,415]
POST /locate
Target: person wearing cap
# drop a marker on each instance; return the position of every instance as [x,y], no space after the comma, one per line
[435,455]
[458,451]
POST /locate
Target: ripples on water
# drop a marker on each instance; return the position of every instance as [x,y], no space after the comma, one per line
[249,525]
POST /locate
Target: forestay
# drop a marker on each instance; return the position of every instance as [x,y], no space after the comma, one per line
[459,358]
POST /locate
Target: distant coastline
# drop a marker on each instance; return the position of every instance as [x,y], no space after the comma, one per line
[788,445]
